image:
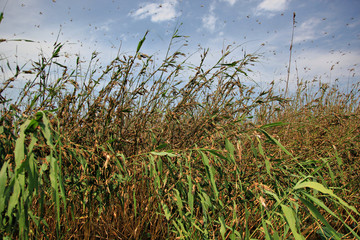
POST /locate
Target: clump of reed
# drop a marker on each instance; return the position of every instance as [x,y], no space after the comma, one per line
[140,150]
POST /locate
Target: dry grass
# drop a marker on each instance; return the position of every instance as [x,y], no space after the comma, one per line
[137,152]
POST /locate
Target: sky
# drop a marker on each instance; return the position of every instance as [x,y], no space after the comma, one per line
[326,41]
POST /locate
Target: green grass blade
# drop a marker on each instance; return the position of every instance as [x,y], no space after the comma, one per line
[190,195]
[291,220]
[275,124]
[210,172]
[141,42]
[134,203]
[231,149]
[3,180]
[266,231]
[166,211]
[222,227]
[317,215]
[164,154]
[319,187]
[178,201]
[275,142]
[323,206]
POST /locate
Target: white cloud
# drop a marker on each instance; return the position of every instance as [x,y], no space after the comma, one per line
[310,64]
[209,22]
[158,12]
[231,2]
[307,30]
[328,65]
[30,18]
[273,5]
[353,25]
[106,26]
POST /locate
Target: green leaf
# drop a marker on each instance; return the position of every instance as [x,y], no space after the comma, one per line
[164,154]
[273,125]
[231,149]
[222,227]
[178,229]
[61,65]
[3,183]
[161,146]
[214,152]
[325,233]
[141,42]
[318,216]
[205,200]
[291,220]
[19,145]
[321,204]
[331,173]
[178,201]
[268,166]
[3,178]
[205,159]
[212,180]
[166,211]
[230,64]
[210,172]
[319,187]
[261,150]
[190,194]
[275,142]
[134,203]
[32,126]
[266,231]
[57,50]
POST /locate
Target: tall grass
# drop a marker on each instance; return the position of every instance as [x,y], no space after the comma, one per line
[139,151]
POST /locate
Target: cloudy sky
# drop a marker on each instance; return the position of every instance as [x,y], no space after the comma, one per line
[326,43]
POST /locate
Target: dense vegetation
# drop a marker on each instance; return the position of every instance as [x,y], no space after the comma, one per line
[139,150]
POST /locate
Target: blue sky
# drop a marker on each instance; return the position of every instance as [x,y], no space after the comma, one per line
[326,41]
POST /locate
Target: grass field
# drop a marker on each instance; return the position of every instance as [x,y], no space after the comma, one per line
[138,151]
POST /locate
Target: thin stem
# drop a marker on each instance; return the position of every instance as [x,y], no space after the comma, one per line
[291,46]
